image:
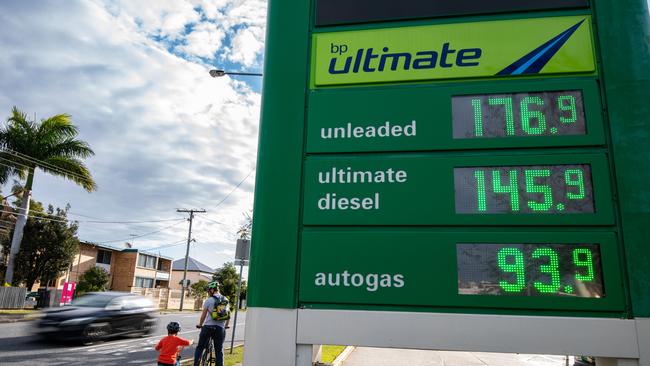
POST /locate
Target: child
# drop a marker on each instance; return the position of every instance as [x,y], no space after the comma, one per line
[169,346]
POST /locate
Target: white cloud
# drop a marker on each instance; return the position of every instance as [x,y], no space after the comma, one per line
[247,46]
[204,41]
[166,18]
[165,134]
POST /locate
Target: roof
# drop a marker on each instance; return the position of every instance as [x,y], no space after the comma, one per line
[192,265]
[116,249]
[102,246]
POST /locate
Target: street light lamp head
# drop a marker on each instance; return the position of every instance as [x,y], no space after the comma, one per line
[217,73]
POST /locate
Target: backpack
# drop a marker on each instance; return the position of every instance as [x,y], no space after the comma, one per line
[221,309]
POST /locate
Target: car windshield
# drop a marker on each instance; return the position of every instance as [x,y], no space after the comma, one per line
[93,300]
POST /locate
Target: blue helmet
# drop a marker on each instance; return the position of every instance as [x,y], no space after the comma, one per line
[173,327]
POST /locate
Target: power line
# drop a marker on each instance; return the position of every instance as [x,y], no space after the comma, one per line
[182,241]
[234,189]
[44,164]
[140,236]
[215,221]
[100,220]
[13,163]
[230,193]
[37,217]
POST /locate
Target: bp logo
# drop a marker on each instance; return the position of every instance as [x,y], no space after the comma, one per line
[497,48]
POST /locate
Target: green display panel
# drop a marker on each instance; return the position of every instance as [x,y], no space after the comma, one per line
[409,267]
[420,189]
[530,269]
[442,117]
[541,189]
[519,114]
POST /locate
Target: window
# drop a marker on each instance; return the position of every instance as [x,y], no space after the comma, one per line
[143,282]
[104,257]
[146,261]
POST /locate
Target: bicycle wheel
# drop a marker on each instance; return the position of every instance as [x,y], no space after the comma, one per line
[208,357]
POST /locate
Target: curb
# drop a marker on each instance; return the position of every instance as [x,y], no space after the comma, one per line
[9,318]
[343,356]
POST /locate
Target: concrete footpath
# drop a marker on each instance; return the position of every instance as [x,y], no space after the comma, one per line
[366,356]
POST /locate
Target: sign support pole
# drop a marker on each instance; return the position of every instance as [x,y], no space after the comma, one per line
[234,326]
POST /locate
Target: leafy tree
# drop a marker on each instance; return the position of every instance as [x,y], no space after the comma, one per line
[50,145]
[228,278]
[94,279]
[244,290]
[199,290]
[49,246]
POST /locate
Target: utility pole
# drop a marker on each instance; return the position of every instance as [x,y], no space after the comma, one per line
[187,251]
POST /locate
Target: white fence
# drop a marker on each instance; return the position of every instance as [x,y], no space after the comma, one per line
[165,298]
[12,297]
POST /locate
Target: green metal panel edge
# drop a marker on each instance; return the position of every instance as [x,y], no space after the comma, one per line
[279,163]
[623,28]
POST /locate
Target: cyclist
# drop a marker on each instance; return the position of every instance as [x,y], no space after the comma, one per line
[170,346]
[213,323]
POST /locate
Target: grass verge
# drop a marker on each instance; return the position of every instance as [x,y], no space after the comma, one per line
[236,358]
[330,353]
[17,312]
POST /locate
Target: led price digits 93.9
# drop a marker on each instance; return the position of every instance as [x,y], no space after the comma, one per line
[524,189]
[518,114]
[530,269]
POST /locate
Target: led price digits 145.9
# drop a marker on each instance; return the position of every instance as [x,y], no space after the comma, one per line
[530,269]
[518,114]
[524,189]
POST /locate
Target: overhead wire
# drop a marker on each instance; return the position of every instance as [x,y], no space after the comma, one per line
[140,236]
[99,220]
[228,195]
[235,188]
[44,164]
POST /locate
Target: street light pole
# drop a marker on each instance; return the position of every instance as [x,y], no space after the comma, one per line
[219,73]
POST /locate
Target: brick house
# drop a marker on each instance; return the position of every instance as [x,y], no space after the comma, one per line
[127,267]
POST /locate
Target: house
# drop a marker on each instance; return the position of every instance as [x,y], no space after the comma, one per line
[196,271]
[127,267]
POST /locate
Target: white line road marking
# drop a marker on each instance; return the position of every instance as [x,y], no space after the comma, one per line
[149,340]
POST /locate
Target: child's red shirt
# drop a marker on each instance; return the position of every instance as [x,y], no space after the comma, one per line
[169,347]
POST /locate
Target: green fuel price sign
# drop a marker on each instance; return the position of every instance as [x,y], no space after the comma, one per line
[530,270]
[469,164]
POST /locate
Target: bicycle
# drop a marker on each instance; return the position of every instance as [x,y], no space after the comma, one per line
[208,357]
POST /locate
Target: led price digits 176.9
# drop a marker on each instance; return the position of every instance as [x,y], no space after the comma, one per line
[518,114]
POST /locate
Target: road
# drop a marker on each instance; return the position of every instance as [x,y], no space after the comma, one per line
[18,346]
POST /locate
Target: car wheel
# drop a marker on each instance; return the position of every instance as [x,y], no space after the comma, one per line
[95,332]
[147,327]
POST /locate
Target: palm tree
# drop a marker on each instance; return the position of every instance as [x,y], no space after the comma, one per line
[50,146]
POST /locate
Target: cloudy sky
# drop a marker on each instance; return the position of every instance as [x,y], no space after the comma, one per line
[134,77]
